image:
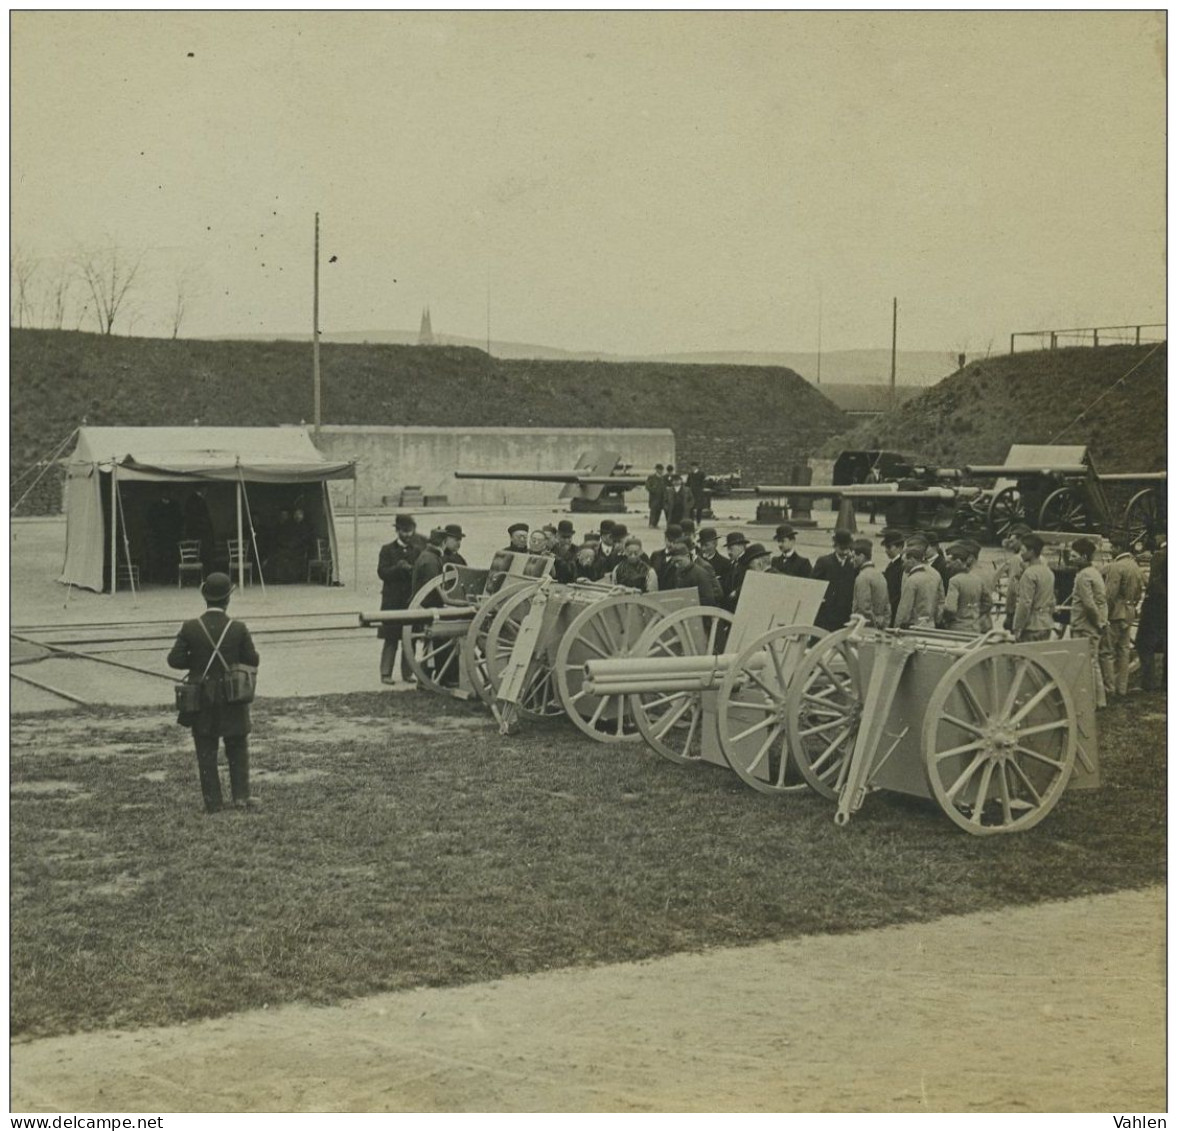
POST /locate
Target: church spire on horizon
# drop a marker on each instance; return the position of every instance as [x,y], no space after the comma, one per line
[425,336]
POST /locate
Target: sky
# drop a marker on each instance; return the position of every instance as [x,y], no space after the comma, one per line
[628,182]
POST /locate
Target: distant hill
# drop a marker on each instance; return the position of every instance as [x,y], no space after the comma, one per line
[763,421]
[1113,399]
[873,366]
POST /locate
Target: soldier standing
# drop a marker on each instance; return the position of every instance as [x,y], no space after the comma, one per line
[963,599]
[1151,631]
[870,587]
[1089,610]
[1034,606]
[1124,583]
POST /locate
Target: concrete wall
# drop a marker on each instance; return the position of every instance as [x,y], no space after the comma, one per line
[392,458]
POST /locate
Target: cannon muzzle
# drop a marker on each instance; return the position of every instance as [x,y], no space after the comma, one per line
[402,617]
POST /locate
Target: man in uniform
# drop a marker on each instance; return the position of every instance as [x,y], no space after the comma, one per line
[1152,630]
[893,570]
[1089,610]
[206,646]
[1125,583]
[788,561]
[922,596]
[1011,568]
[964,596]
[870,587]
[395,570]
[838,572]
[656,490]
[1034,606]
[517,532]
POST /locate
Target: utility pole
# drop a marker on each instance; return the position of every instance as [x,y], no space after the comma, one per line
[315,338]
[819,334]
[894,339]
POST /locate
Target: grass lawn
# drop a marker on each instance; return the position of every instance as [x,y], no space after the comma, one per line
[403,843]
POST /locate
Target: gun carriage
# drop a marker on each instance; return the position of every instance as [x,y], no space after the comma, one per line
[1055,487]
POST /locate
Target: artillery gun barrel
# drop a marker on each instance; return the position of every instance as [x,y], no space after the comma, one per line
[1014,471]
[453,613]
[1135,477]
[649,674]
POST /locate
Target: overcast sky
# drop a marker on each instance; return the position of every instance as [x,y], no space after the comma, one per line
[626,182]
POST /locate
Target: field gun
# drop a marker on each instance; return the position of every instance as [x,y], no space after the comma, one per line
[597,483]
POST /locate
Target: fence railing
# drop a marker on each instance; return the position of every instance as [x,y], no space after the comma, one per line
[1093,336]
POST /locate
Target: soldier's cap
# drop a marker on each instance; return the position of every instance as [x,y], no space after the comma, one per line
[1084,546]
[673,531]
[436,536]
[785,531]
[842,537]
[565,528]
[959,550]
[678,549]
[1034,543]
[517,527]
[863,546]
[405,522]
[608,526]
[735,538]
[549,528]
[708,534]
[892,537]
[657,467]
[973,546]
[756,550]
[916,540]
[591,536]
[216,587]
[454,531]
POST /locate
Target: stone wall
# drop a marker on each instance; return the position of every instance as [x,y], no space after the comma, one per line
[393,458]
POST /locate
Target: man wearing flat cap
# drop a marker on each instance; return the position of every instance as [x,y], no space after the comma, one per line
[517,532]
[206,646]
[395,570]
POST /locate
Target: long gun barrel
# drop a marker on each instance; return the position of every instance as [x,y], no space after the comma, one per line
[402,617]
[1014,471]
[646,674]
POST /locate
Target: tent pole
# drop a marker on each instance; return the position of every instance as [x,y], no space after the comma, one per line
[240,532]
[126,545]
[355,528]
[252,533]
[113,523]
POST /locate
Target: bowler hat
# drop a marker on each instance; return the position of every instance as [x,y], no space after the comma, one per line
[785,531]
[454,531]
[843,537]
[565,528]
[517,527]
[756,550]
[708,534]
[607,525]
[673,531]
[891,536]
[620,531]
[405,522]
[216,587]
[735,538]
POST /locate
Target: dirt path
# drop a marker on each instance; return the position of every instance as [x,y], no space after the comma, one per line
[1059,1007]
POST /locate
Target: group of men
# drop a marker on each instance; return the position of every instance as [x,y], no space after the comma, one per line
[678,499]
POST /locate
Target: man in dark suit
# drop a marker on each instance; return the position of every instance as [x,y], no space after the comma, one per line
[709,555]
[660,559]
[682,572]
[697,486]
[678,503]
[441,659]
[893,571]
[788,561]
[839,573]
[936,557]
[517,532]
[206,646]
[395,569]
[564,569]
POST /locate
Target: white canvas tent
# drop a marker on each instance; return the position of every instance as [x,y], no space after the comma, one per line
[116,475]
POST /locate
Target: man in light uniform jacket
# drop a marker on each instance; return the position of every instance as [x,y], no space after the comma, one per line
[1125,583]
[922,596]
[963,599]
[1034,603]
[871,599]
[1089,610]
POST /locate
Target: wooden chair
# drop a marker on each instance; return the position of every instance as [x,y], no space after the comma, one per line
[237,556]
[320,564]
[189,561]
[128,574]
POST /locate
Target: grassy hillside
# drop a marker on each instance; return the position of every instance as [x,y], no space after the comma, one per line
[762,420]
[1112,399]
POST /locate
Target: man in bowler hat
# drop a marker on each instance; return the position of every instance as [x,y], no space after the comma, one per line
[196,647]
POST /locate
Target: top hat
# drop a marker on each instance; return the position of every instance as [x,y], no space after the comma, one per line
[564,528]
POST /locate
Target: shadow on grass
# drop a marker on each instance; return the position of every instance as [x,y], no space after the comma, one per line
[385,858]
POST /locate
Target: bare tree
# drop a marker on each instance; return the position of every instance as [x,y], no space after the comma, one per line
[22,266]
[109,273]
[57,293]
[186,290]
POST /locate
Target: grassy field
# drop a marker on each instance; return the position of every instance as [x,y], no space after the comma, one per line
[404,843]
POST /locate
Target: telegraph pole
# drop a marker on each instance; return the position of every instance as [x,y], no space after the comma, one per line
[894,338]
[315,337]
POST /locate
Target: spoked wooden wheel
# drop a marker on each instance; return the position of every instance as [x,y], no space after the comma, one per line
[752,713]
[538,699]
[1006,509]
[824,710]
[999,740]
[433,649]
[672,721]
[474,662]
[1145,518]
[608,629]
[1064,509]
